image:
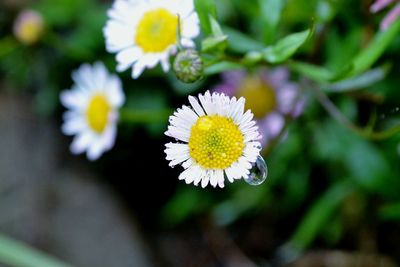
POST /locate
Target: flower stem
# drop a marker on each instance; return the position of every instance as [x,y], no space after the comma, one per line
[16,254]
[366,132]
[144,116]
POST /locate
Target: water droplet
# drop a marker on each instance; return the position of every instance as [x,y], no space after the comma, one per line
[258,173]
[397,109]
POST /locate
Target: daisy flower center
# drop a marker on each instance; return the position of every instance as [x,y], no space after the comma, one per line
[215,142]
[156,30]
[97,113]
[260,96]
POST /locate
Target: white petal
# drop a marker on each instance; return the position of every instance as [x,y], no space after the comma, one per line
[213,177]
[220,178]
[81,142]
[95,150]
[73,99]
[74,126]
[196,106]
[129,55]
[205,179]
[113,89]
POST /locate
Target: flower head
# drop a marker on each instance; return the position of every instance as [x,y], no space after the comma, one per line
[188,66]
[217,139]
[391,16]
[28,27]
[143,33]
[93,104]
[269,94]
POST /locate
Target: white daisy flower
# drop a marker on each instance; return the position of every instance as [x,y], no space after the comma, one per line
[92,115]
[143,33]
[217,137]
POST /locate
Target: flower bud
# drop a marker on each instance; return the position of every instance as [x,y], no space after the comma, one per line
[28,27]
[188,66]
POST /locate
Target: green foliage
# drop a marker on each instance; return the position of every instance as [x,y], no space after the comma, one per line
[286,47]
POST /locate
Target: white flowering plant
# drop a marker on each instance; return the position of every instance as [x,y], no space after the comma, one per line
[188,102]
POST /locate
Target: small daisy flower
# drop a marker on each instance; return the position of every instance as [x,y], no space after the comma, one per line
[92,115]
[393,14]
[217,140]
[143,33]
[28,27]
[269,94]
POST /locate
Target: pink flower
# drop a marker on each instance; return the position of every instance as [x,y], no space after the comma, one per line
[269,94]
[393,14]
[28,27]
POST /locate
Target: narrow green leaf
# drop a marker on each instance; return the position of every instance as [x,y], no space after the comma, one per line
[364,80]
[270,14]
[218,41]
[214,43]
[221,67]
[16,254]
[215,27]
[320,214]
[313,72]
[368,56]
[241,43]
[286,47]
[204,9]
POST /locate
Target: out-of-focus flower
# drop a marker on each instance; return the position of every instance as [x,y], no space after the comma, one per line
[28,27]
[269,94]
[393,14]
[217,137]
[93,104]
[143,33]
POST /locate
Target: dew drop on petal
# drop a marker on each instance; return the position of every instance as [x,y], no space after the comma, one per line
[258,173]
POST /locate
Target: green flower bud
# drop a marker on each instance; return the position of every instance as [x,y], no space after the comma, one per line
[188,66]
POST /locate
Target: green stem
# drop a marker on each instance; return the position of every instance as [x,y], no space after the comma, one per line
[16,254]
[144,116]
[341,118]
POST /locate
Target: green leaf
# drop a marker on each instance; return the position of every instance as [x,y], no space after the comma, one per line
[215,27]
[320,214]
[286,47]
[214,43]
[364,80]
[221,67]
[270,14]
[240,42]
[204,9]
[368,56]
[185,203]
[218,41]
[16,254]
[313,72]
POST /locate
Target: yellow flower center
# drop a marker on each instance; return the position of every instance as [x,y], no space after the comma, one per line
[97,113]
[215,142]
[29,31]
[260,96]
[157,30]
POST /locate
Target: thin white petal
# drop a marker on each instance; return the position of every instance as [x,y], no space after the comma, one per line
[196,106]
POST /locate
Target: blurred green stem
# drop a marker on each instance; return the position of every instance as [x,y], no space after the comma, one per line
[320,214]
[366,132]
[16,254]
[144,116]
